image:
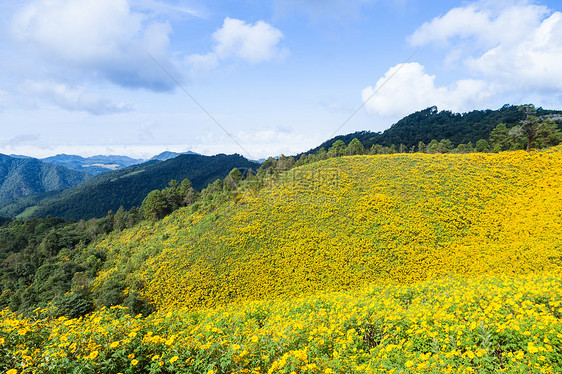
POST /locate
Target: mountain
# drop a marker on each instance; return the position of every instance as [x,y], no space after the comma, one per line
[429,124]
[168,155]
[126,187]
[92,165]
[27,176]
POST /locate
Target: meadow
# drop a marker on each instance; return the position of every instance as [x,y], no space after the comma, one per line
[405,263]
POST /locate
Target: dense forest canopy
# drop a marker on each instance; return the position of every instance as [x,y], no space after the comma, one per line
[430,124]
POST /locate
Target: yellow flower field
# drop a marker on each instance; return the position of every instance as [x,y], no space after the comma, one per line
[485,324]
[352,221]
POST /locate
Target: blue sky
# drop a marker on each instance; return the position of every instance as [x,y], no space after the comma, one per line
[281,76]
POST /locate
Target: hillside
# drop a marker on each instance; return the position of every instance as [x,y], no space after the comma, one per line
[429,124]
[128,187]
[27,176]
[92,165]
[407,263]
[347,222]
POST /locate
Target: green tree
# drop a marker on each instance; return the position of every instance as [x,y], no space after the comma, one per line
[433,146]
[172,196]
[500,139]
[445,146]
[543,133]
[337,149]
[376,149]
[482,146]
[233,179]
[154,206]
[355,147]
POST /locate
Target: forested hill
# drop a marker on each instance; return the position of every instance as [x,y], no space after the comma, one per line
[25,176]
[429,124]
[128,187]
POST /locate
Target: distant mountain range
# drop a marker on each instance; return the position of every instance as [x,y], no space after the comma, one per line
[125,187]
[92,165]
[28,176]
[95,165]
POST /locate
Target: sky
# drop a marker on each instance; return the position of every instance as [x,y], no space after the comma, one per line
[259,78]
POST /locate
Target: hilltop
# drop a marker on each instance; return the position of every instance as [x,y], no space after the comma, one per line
[429,124]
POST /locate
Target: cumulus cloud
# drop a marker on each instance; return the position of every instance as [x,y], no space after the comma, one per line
[504,49]
[237,39]
[406,88]
[100,38]
[73,98]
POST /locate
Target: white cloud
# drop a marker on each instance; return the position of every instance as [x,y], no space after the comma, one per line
[534,62]
[73,98]
[519,44]
[97,39]
[237,39]
[505,51]
[485,24]
[409,88]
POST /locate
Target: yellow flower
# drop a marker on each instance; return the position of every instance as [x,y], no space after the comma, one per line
[1,340]
[114,344]
[12,371]
[93,355]
[409,363]
[174,359]
[132,355]
[134,362]
[531,348]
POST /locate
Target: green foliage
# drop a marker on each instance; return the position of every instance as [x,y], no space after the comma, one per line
[44,261]
[337,149]
[155,206]
[482,146]
[72,305]
[355,147]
